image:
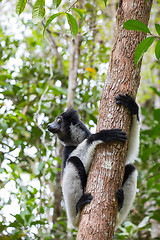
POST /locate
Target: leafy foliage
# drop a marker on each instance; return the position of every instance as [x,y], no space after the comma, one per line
[51,19]
[20,6]
[146,43]
[142,48]
[38,11]
[56,3]
[136,26]
[33,92]
[73,24]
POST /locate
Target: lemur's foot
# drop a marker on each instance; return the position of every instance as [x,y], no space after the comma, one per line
[120,198]
[85,199]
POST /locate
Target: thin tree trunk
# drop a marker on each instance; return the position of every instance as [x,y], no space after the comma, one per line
[74,49]
[106,173]
[73,68]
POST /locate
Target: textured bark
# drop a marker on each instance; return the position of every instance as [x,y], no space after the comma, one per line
[106,173]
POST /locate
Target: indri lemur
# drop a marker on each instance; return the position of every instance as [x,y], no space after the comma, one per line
[79,148]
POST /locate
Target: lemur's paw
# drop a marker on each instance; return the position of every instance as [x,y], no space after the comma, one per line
[108,135]
[129,102]
[85,199]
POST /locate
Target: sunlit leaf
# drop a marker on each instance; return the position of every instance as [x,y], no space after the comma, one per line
[157,26]
[73,24]
[144,222]
[79,12]
[136,25]
[38,11]
[90,69]
[157,50]
[51,19]
[142,48]
[20,6]
[56,3]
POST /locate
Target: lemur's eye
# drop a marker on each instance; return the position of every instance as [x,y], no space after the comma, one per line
[59,120]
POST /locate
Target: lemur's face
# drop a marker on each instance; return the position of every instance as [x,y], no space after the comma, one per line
[55,127]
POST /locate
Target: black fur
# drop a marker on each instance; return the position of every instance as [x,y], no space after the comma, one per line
[129,102]
[120,198]
[67,150]
[129,169]
[63,128]
[80,169]
[108,136]
[85,199]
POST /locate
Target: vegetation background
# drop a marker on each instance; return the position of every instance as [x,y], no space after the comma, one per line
[35,72]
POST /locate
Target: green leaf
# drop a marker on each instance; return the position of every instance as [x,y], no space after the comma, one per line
[157,114]
[56,3]
[157,26]
[136,25]
[105,2]
[142,48]
[79,12]
[155,91]
[73,24]
[20,6]
[157,50]
[51,19]
[38,11]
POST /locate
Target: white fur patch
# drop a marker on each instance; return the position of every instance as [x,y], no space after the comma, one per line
[72,192]
[133,141]
[129,189]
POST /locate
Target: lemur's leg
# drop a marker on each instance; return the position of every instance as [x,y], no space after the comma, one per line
[126,194]
[86,197]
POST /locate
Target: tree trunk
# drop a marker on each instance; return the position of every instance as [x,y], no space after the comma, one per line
[74,49]
[106,173]
[73,68]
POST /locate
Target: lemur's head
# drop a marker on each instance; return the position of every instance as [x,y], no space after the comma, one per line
[64,124]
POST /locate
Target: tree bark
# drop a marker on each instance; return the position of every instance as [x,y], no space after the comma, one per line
[107,170]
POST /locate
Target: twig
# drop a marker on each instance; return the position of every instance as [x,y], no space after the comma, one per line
[71,6]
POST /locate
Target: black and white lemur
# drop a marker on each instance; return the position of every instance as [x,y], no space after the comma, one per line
[79,147]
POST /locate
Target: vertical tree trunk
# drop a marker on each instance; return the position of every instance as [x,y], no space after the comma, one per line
[106,173]
[73,68]
[74,49]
